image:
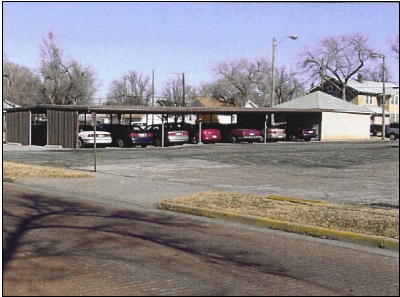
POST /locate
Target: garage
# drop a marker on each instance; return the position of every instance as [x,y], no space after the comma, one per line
[334,118]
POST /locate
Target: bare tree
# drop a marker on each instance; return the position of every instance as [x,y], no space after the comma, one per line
[243,79]
[288,86]
[376,74]
[394,46]
[340,57]
[21,86]
[132,89]
[238,77]
[172,92]
[64,82]
[116,92]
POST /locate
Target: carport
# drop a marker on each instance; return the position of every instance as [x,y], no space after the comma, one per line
[63,123]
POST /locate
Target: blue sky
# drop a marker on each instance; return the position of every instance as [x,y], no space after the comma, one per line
[114,38]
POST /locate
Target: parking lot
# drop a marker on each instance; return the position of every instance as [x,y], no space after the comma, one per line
[104,235]
[362,172]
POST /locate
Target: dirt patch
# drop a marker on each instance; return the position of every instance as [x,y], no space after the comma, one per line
[13,171]
[353,218]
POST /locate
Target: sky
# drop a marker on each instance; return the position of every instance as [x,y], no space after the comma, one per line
[171,38]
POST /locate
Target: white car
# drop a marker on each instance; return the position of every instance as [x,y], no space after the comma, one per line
[86,138]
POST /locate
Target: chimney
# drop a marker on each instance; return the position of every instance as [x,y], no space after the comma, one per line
[360,78]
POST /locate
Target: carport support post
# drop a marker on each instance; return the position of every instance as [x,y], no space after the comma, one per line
[200,120]
[265,129]
[94,123]
[162,131]
[94,148]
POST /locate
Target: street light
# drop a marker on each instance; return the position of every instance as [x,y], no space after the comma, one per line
[274,44]
[383,91]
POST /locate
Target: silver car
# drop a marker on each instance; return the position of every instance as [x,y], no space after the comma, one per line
[173,134]
[273,134]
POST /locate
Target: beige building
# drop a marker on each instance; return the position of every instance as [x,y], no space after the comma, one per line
[337,119]
[367,94]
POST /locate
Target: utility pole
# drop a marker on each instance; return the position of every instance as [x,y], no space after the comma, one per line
[124,103]
[183,94]
[383,91]
[274,44]
[152,97]
[383,97]
[322,69]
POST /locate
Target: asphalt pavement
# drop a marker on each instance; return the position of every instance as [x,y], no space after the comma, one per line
[104,235]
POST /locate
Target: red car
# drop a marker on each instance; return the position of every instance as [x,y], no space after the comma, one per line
[245,135]
[209,134]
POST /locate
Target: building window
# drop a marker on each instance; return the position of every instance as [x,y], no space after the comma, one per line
[394,100]
[394,117]
[368,99]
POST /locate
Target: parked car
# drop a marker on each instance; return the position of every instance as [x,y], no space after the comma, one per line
[128,135]
[305,133]
[375,129]
[86,137]
[209,133]
[273,134]
[237,135]
[392,131]
[173,134]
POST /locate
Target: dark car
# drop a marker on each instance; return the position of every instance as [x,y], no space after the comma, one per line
[174,133]
[209,133]
[375,129]
[392,131]
[305,133]
[128,135]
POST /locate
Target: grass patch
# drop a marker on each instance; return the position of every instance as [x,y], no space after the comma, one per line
[354,218]
[15,170]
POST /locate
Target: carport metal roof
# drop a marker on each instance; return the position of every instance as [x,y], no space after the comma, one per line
[42,108]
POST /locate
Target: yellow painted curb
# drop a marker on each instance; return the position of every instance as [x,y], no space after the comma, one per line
[9,179]
[276,197]
[378,241]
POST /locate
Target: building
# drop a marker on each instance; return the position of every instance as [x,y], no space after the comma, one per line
[367,94]
[336,119]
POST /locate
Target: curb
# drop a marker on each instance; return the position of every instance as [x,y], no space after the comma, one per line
[9,179]
[292,199]
[372,240]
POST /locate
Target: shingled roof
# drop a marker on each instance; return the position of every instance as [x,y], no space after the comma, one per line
[322,101]
[372,87]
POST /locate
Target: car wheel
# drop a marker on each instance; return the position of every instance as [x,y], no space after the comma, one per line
[121,143]
[392,137]
[234,139]
[194,140]
[293,138]
[80,143]
[261,139]
[158,142]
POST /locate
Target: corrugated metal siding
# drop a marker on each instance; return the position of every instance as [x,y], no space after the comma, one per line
[18,127]
[62,127]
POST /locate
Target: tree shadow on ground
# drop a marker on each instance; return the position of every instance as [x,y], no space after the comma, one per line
[50,226]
